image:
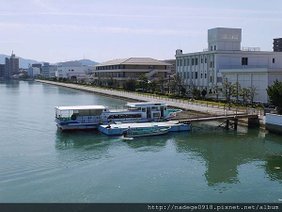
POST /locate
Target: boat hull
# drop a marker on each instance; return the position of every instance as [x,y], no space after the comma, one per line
[77,126]
[118,129]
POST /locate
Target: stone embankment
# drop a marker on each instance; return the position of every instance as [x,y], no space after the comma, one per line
[182,104]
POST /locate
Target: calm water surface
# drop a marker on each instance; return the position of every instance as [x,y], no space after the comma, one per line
[40,164]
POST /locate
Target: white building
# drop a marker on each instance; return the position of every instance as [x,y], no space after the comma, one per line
[73,72]
[33,72]
[48,71]
[225,59]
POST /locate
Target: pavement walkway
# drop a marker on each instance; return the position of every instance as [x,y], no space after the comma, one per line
[182,104]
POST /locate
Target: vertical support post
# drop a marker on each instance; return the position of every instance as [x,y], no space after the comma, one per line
[227,124]
[235,123]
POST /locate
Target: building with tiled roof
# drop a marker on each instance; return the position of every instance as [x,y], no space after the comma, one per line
[125,69]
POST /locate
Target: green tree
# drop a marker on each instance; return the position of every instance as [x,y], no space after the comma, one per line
[152,86]
[229,90]
[130,85]
[142,83]
[275,95]
[245,94]
[252,94]
[196,93]
[204,93]
[177,85]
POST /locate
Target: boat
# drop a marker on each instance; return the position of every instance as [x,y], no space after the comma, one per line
[131,133]
[92,116]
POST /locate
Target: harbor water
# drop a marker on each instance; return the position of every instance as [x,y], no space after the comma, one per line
[39,164]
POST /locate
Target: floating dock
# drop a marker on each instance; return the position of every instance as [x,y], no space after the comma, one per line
[119,128]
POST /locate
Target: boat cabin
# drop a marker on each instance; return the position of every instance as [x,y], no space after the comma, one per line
[150,110]
[85,113]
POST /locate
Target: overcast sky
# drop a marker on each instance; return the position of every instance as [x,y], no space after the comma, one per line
[101,30]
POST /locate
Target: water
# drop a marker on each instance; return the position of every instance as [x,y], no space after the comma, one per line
[40,164]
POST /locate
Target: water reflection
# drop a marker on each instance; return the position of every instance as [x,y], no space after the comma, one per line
[148,143]
[223,152]
[11,83]
[78,139]
[273,167]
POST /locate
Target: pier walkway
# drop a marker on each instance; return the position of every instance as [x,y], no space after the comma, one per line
[182,104]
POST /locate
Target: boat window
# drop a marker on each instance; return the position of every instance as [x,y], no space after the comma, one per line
[134,108]
[156,115]
[64,113]
[124,116]
[143,109]
[155,108]
[93,112]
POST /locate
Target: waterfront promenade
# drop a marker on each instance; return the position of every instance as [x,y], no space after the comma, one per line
[182,104]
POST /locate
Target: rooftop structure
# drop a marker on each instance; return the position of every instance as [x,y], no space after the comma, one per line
[133,61]
[224,39]
[277,45]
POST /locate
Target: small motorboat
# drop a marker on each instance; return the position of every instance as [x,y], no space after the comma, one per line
[131,133]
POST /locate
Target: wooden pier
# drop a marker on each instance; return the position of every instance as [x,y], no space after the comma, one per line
[229,120]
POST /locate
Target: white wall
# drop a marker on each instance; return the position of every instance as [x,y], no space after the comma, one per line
[256,78]
[70,71]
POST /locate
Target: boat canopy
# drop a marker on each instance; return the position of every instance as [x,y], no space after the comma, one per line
[145,104]
[81,107]
[83,110]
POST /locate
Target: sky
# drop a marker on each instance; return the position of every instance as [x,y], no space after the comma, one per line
[61,30]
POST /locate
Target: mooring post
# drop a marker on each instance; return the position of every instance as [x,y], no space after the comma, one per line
[235,123]
[227,124]
[253,121]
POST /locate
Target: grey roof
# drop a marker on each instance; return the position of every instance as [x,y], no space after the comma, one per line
[134,61]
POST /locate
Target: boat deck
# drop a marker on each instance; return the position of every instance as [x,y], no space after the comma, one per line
[119,128]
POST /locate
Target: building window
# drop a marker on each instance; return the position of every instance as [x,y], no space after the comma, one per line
[187,61]
[211,64]
[206,60]
[244,61]
[214,47]
[192,61]
[211,48]
[201,75]
[273,60]
[205,76]
[196,61]
[202,60]
[196,75]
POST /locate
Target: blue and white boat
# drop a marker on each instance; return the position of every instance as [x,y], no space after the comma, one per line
[92,116]
[145,131]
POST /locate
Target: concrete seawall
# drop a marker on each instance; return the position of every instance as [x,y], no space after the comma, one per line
[182,104]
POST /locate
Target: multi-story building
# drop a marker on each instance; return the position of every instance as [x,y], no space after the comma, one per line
[33,72]
[122,70]
[224,56]
[172,66]
[48,71]
[2,71]
[11,66]
[277,45]
[76,72]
